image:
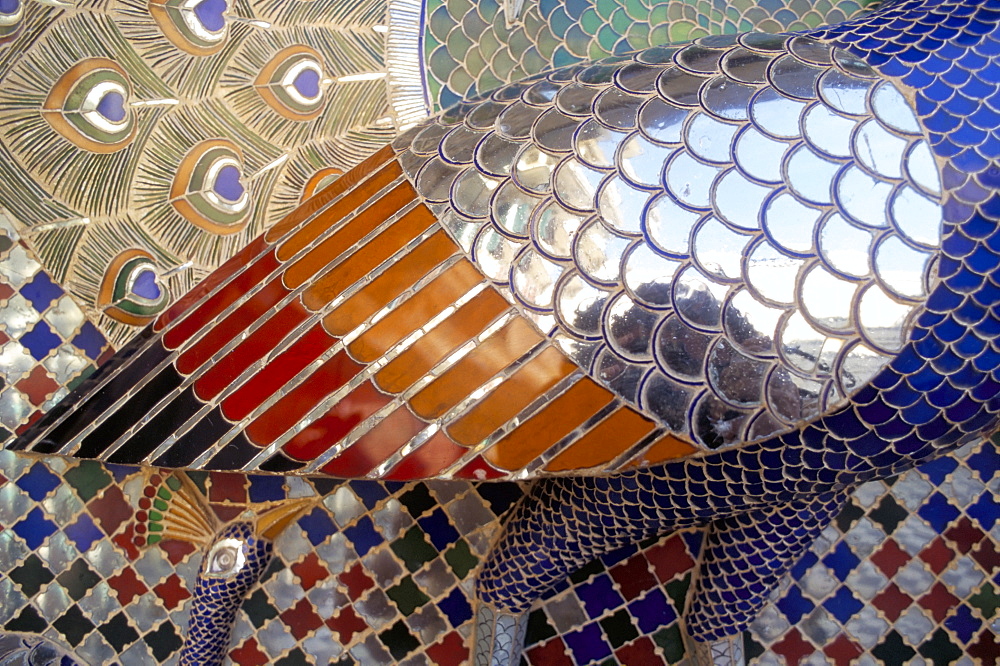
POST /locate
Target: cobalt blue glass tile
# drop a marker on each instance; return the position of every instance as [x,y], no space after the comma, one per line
[844,425]
[794,605]
[986,511]
[804,563]
[34,528]
[90,341]
[841,560]
[318,525]
[370,492]
[588,644]
[441,532]
[965,282]
[41,291]
[38,482]
[937,511]
[843,605]
[964,624]
[83,533]
[40,340]
[599,595]
[962,410]
[363,535]
[866,446]
[875,412]
[968,158]
[967,347]
[919,413]
[456,607]
[987,361]
[266,488]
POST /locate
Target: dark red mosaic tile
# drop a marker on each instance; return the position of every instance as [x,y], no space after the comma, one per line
[793,647]
[309,571]
[172,591]
[633,576]
[937,555]
[227,488]
[890,558]
[669,559]
[346,623]
[842,651]
[892,602]
[449,651]
[249,654]
[939,601]
[549,653]
[964,534]
[642,651]
[110,509]
[126,586]
[356,581]
[301,619]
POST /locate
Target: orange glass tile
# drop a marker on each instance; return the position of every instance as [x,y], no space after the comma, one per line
[606,440]
[341,418]
[372,448]
[463,325]
[665,448]
[367,258]
[352,178]
[236,288]
[518,391]
[433,457]
[493,355]
[416,311]
[216,337]
[553,422]
[329,218]
[345,237]
[399,277]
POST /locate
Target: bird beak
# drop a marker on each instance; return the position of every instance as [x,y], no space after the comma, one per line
[273,521]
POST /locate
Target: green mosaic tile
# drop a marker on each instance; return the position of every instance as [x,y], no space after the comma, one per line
[461,559]
[407,596]
[986,600]
[677,591]
[87,479]
[413,549]
[671,643]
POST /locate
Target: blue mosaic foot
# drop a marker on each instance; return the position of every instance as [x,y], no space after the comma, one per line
[499,637]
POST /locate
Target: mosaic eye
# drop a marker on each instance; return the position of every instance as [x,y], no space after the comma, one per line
[226,558]
[208,189]
[292,83]
[197,27]
[130,291]
[11,13]
[88,105]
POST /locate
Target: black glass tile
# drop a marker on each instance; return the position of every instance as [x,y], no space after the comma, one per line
[417,500]
[31,575]
[619,629]
[751,648]
[147,438]
[280,463]
[234,455]
[399,640]
[294,658]
[940,650]
[259,608]
[671,642]
[889,514]
[539,629]
[73,625]
[78,579]
[118,632]
[163,641]
[27,621]
[500,496]
[592,568]
[848,516]
[893,651]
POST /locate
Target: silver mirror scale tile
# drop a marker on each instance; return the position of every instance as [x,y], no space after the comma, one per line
[734,236]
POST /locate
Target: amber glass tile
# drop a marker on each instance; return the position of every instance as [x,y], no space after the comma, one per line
[398,278]
[514,394]
[606,440]
[329,218]
[490,357]
[367,258]
[665,448]
[376,445]
[340,241]
[464,324]
[411,315]
[350,179]
[549,425]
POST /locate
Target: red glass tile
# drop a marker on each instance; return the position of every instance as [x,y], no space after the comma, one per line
[111,509]
[38,385]
[345,624]
[986,649]
[633,576]
[4,338]
[372,448]
[127,541]
[176,550]
[549,653]
[254,274]
[449,651]
[669,558]
[249,654]
[226,512]
[987,556]
[793,647]
[226,487]
[432,457]
[937,555]
[892,601]
[356,581]
[333,426]
[127,586]
[6,291]
[890,558]
[309,571]
[938,601]
[34,416]
[842,651]
[171,591]
[225,370]
[480,470]
[301,619]
[964,534]
[642,651]
[288,411]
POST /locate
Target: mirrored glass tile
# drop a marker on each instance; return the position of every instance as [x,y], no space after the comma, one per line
[638,78]
[427,141]
[739,201]
[669,225]
[762,41]
[515,121]
[576,99]
[18,316]
[698,300]
[648,275]
[751,325]
[542,93]
[494,254]
[510,92]
[658,55]
[598,252]
[881,319]
[618,109]
[746,66]
[792,398]
[811,176]
[844,247]
[892,109]
[921,168]
[863,197]
[460,144]
[852,64]
[462,230]
[533,278]
[533,169]
[793,78]
[484,116]
[618,374]
[804,347]
[629,328]
[404,139]
[735,378]
[455,114]
[555,229]
[690,181]
[828,131]
[495,155]
[642,160]
[759,156]
[511,209]
[472,191]
[709,139]
[621,205]
[576,185]
[901,268]
[435,179]
[727,99]
[680,350]
[596,145]
[680,87]
[65,317]
[827,299]
[662,122]
[598,74]
[776,114]
[844,93]
[698,58]
[716,424]
[344,505]
[880,151]
[790,224]
[718,249]
[858,366]
[411,163]
[63,365]
[811,51]
[580,305]
[554,131]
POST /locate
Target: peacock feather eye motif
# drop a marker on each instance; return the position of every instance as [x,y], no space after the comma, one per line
[198,27]
[292,84]
[208,189]
[11,14]
[88,105]
[130,291]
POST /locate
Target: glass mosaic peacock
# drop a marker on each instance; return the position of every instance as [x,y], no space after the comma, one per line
[717,284]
